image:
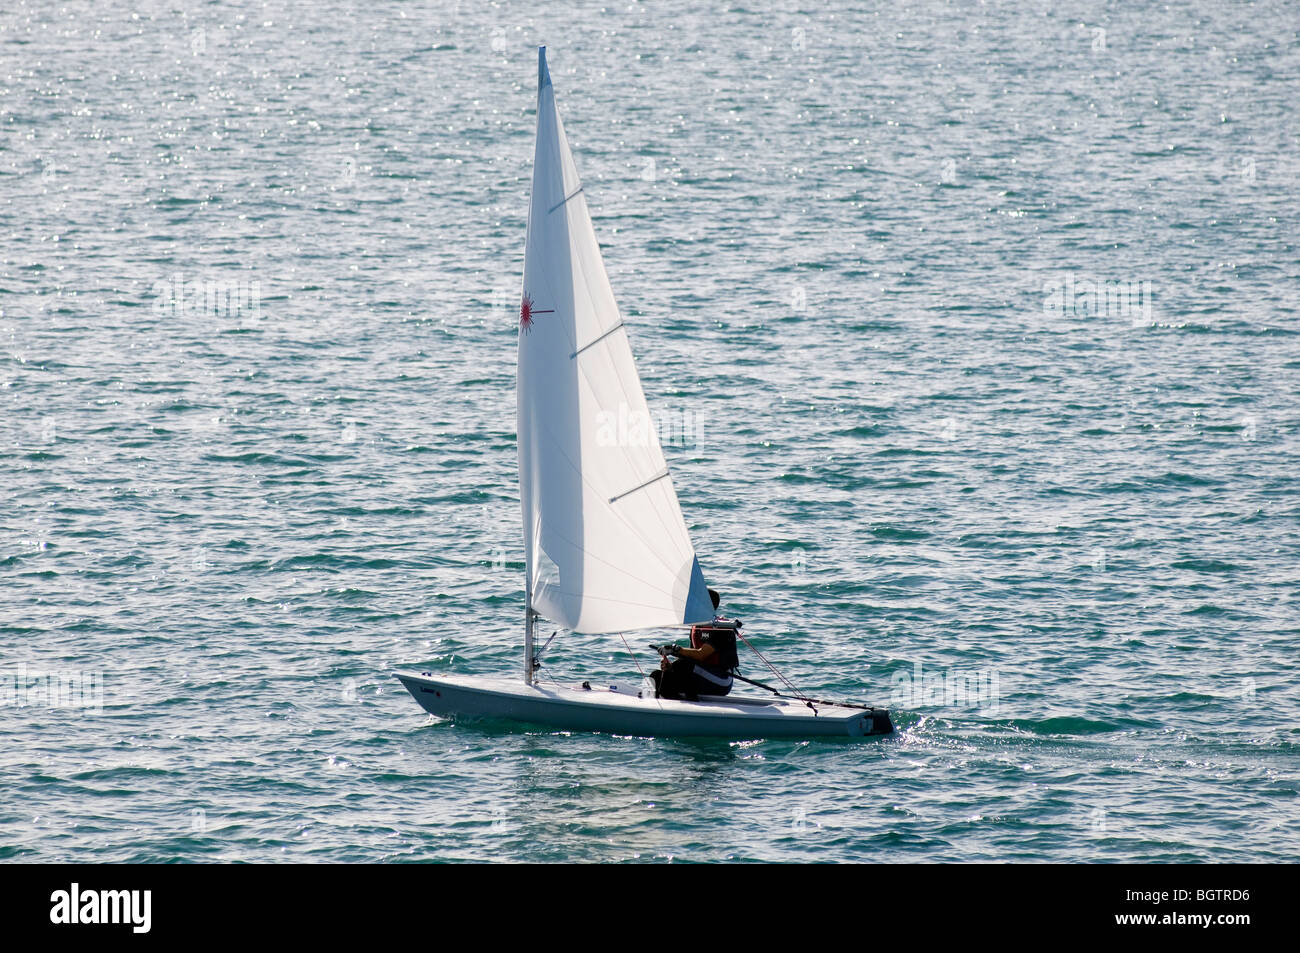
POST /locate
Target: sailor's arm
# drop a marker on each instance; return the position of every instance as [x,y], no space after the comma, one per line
[702,654]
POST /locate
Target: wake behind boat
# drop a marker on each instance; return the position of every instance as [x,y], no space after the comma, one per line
[606,546]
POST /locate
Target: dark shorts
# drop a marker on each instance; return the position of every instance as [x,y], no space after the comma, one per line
[685,679]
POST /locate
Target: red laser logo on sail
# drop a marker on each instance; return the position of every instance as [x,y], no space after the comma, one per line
[526,312]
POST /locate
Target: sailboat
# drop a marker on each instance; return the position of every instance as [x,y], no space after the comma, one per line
[606,546]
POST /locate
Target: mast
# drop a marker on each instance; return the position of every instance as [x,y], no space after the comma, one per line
[529,616]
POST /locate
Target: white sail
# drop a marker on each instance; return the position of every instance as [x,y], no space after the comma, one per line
[607,548]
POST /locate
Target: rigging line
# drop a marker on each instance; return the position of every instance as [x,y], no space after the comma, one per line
[653,479]
[797,693]
[635,660]
[563,200]
[820,701]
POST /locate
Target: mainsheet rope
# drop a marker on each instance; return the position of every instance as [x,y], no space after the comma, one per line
[789,684]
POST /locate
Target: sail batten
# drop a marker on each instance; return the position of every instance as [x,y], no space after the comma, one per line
[565,201]
[605,542]
[602,337]
[653,479]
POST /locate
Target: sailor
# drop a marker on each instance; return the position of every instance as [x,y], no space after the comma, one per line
[703,669]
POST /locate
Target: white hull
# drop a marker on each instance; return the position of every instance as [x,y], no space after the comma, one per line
[623,712]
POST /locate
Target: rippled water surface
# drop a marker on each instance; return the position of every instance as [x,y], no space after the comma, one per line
[854,248]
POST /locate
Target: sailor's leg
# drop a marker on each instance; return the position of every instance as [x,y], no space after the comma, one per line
[679,680]
[669,682]
[707,683]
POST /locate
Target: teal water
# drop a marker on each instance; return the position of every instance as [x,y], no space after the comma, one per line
[842,240]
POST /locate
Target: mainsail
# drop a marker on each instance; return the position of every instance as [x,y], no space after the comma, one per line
[607,549]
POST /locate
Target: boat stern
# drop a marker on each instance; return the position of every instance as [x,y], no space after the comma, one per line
[876,722]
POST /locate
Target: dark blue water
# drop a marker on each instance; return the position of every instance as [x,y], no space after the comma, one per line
[979,323]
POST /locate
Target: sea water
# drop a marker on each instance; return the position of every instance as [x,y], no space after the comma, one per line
[971,336]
